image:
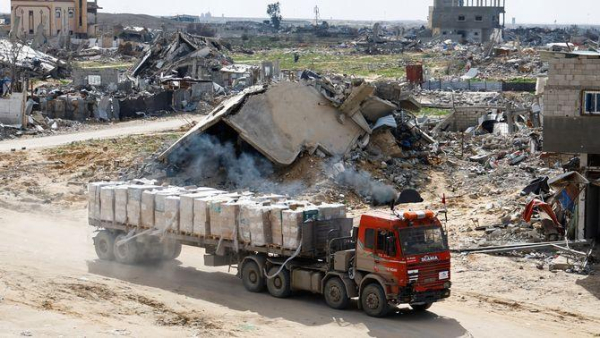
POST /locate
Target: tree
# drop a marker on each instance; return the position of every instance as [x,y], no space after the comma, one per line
[274,11]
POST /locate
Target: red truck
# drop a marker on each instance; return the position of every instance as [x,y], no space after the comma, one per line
[391,258]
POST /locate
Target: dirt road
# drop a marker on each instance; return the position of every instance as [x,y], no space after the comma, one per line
[52,284]
[118,130]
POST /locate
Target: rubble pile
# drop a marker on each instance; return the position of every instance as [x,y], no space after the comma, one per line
[181,56]
[32,61]
[440,99]
[537,36]
[495,166]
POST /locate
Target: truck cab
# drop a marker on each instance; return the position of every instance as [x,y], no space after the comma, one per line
[403,257]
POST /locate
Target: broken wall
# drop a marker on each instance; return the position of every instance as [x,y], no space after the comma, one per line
[12,109]
[99,77]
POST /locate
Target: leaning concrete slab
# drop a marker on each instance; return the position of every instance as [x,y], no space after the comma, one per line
[281,122]
[292,117]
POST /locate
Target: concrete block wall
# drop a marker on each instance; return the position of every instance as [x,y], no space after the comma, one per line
[475,86]
[465,119]
[567,79]
[108,75]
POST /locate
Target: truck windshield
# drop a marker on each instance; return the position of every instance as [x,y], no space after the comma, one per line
[418,241]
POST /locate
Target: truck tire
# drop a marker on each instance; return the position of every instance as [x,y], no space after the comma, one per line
[177,251]
[171,249]
[251,277]
[336,295]
[373,300]
[126,253]
[421,307]
[280,285]
[104,243]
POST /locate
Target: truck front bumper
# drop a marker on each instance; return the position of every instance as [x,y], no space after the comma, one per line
[423,297]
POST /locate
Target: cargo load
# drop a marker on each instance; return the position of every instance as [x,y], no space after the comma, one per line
[246,219]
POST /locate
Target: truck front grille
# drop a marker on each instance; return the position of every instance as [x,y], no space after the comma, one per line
[428,273]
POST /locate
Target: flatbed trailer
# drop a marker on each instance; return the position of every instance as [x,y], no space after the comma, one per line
[314,240]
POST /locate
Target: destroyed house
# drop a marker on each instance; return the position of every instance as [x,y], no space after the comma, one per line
[469,20]
[183,56]
[571,122]
[55,17]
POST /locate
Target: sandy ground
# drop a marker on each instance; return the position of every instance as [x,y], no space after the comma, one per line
[52,284]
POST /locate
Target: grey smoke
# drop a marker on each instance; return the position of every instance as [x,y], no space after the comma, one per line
[211,158]
[366,186]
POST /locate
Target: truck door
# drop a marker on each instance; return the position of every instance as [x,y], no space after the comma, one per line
[365,251]
[378,252]
[386,254]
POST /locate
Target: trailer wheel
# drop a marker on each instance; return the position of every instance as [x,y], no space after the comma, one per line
[104,243]
[421,307]
[126,253]
[177,251]
[171,249]
[251,277]
[279,286]
[336,295]
[373,300]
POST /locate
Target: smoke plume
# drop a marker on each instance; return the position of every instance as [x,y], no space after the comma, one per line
[210,160]
[366,186]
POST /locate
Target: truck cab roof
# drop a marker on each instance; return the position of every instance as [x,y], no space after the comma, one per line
[389,219]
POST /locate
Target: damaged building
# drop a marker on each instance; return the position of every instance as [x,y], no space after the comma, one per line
[272,126]
[78,18]
[467,20]
[571,123]
[183,56]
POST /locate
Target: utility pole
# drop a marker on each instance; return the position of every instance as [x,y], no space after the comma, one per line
[317,15]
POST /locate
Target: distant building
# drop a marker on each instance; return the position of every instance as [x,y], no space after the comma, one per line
[470,20]
[185,18]
[77,17]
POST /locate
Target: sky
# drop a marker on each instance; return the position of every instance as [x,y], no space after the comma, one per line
[525,11]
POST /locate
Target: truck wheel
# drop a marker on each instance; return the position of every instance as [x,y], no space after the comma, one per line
[126,253]
[171,249]
[373,301]
[421,307]
[279,286]
[251,277]
[104,243]
[177,250]
[336,295]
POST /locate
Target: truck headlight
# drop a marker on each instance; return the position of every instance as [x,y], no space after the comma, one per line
[447,285]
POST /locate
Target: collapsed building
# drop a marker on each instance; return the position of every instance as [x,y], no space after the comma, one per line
[467,20]
[183,56]
[272,126]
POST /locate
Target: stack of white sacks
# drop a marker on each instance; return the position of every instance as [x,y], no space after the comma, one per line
[258,220]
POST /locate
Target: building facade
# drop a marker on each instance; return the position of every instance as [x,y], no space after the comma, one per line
[571,116]
[468,20]
[77,18]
